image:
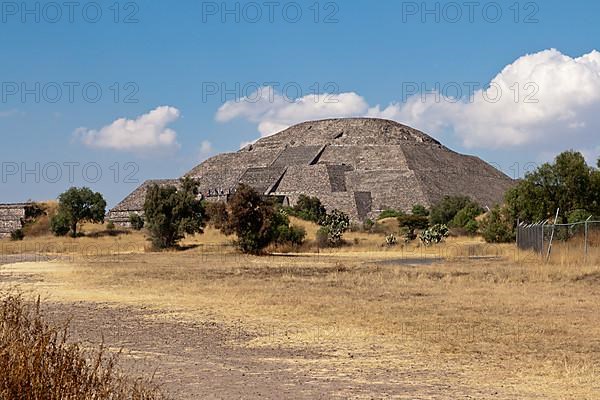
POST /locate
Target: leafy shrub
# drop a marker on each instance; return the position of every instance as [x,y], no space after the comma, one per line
[308,209]
[32,212]
[420,211]
[293,235]
[322,237]
[467,214]
[59,224]
[443,212]
[413,222]
[389,213]
[568,183]
[410,223]
[368,224]
[17,235]
[497,226]
[336,223]
[472,227]
[216,214]
[578,216]
[257,222]
[434,235]
[172,213]
[110,226]
[407,234]
[136,221]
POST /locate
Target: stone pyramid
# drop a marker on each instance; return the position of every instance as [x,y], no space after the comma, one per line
[361,166]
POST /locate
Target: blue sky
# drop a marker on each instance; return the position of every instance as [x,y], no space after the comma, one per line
[367,55]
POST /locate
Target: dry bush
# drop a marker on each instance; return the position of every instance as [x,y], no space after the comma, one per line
[41,225]
[38,362]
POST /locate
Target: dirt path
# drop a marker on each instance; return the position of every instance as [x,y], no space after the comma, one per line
[206,360]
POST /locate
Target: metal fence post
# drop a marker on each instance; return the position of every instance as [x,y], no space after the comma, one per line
[586,236]
[517,233]
[552,235]
[542,249]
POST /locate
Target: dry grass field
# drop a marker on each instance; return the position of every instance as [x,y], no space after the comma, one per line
[459,320]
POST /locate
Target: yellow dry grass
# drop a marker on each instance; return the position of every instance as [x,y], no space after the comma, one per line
[486,317]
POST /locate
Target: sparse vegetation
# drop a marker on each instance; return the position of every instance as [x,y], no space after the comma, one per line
[136,221]
[498,226]
[38,362]
[257,222]
[216,213]
[308,208]
[171,213]
[568,183]
[446,209]
[17,235]
[77,205]
[525,316]
[420,210]
[390,213]
[410,223]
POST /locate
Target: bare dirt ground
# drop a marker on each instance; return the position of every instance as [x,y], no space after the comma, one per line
[207,360]
[372,325]
[211,360]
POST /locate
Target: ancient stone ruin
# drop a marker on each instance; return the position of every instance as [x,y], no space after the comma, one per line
[134,203]
[12,217]
[361,166]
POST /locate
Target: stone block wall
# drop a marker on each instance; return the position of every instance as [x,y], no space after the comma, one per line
[11,217]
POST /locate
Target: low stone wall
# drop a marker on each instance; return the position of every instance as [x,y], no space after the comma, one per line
[11,218]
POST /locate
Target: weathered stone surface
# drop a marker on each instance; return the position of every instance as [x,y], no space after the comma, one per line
[358,165]
[11,218]
[134,203]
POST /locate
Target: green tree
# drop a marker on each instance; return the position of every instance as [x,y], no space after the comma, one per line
[390,213]
[420,210]
[309,209]
[497,226]
[411,223]
[78,205]
[59,225]
[595,190]
[466,215]
[172,213]
[568,183]
[446,209]
[258,222]
[216,213]
[472,227]
[250,219]
[136,221]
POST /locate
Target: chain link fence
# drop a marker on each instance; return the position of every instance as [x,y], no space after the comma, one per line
[580,238]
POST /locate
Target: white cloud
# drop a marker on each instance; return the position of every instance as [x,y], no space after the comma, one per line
[10,113]
[556,107]
[146,133]
[558,101]
[592,155]
[273,112]
[206,150]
